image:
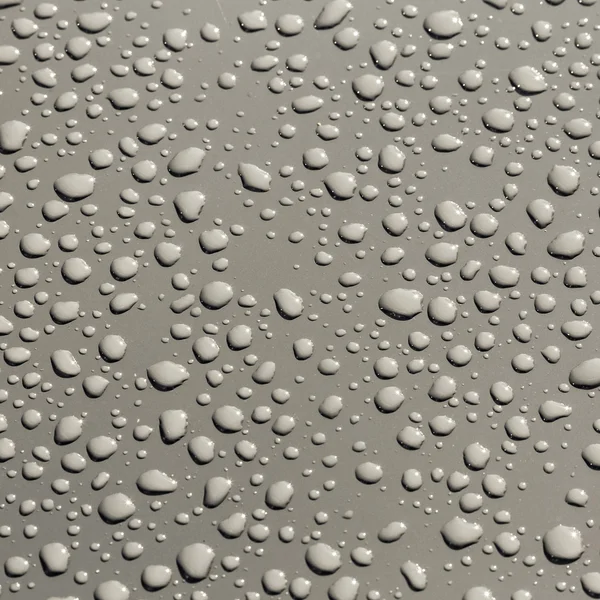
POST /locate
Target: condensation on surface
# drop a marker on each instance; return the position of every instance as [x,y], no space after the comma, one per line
[299,299]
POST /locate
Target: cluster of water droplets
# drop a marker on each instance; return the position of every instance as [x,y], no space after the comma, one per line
[299,300]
